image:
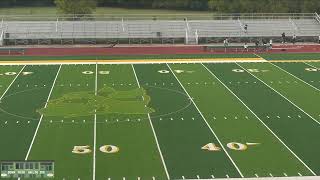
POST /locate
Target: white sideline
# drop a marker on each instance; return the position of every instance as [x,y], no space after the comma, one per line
[154,132]
[12,83]
[259,119]
[35,134]
[318,122]
[207,123]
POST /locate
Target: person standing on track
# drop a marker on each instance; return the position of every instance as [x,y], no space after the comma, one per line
[257,45]
[245,28]
[283,37]
[226,43]
[319,39]
[265,45]
[294,38]
[270,44]
[245,47]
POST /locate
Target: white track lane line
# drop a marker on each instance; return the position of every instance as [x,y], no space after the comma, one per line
[154,132]
[295,77]
[11,83]
[95,127]
[259,119]
[207,123]
[318,122]
[36,132]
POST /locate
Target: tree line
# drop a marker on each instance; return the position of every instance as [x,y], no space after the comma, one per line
[221,6]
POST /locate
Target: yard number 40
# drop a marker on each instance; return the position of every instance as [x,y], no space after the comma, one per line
[15,73]
[312,69]
[233,146]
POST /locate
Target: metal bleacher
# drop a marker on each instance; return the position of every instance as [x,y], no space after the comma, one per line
[153,29]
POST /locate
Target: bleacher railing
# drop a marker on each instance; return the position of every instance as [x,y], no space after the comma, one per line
[240,33]
[95,34]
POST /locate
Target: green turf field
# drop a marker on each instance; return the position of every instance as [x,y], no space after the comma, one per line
[163,121]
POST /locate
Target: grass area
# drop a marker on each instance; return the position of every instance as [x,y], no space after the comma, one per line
[28,11]
[101,13]
[101,10]
[206,120]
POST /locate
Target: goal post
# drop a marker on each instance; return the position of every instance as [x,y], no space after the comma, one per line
[187,37]
[191,37]
[197,36]
[2,33]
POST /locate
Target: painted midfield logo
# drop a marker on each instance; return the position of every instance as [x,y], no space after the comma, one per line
[107,101]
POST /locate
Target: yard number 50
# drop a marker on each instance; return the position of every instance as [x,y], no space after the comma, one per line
[99,72]
[109,149]
[233,146]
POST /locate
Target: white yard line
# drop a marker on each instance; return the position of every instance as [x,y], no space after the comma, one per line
[259,119]
[318,122]
[36,132]
[290,73]
[12,83]
[260,57]
[95,127]
[154,132]
[312,66]
[296,77]
[96,81]
[207,123]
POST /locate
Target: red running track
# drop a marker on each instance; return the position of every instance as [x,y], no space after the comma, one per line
[157,50]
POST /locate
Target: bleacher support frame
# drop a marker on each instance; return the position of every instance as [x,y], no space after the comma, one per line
[317,17]
[241,25]
[57,24]
[293,24]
